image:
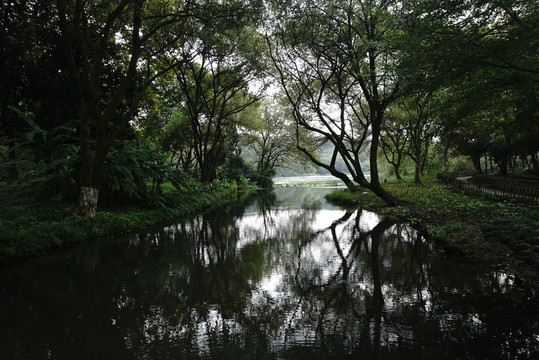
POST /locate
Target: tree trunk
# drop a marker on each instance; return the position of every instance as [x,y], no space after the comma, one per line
[375,185]
[87,203]
[208,171]
[379,191]
[397,174]
[445,156]
[417,176]
[503,166]
[13,172]
[535,161]
[7,125]
[350,185]
[158,190]
[476,163]
[418,166]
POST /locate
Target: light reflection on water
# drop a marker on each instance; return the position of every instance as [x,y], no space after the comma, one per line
[282,275]
[290,180]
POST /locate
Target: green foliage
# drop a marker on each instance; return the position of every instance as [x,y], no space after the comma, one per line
[470,226]
[520,234]
[339,99]
[344,198]
[460,164]
[236,169]
[56,160]
[210,97]
[32,222]
[477,58]
[461,239]
[480,57]
[50,157]
[128,170]
[264,178]
[273,142]
[176,138]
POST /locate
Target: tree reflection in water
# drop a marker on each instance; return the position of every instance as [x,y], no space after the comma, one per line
[268,278]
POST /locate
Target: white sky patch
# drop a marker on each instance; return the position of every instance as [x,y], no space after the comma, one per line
[271,284]
[250,224]
[368,220]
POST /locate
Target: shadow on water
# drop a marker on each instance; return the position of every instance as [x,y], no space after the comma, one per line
[280,274]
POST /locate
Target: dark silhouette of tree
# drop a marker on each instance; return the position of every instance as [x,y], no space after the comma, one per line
[334,62]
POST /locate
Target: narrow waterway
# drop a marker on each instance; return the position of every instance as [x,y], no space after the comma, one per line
[277,275]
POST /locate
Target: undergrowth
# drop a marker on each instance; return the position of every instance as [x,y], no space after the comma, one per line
[32,222]
[474,227]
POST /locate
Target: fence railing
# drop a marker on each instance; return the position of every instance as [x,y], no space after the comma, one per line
[490,185]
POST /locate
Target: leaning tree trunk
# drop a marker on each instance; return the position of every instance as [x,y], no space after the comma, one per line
[375,185]
[349,184]
[383,194]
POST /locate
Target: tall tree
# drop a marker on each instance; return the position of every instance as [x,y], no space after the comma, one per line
[273,141]
[334,61]
[484,55]
[99,37]
[31,76]
[215,95]
[421,127]
[394,139]
[213,71]
[123,40]
[176,139]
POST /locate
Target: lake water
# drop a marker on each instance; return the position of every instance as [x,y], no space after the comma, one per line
[307,179]
[277,275]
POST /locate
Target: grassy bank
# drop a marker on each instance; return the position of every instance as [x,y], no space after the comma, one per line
[494,230]
[32,222]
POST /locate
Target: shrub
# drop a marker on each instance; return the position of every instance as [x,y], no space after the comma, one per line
[343,198]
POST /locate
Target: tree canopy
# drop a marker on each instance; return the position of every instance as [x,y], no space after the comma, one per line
[87,84]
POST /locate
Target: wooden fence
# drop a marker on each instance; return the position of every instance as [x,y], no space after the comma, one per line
[490,185]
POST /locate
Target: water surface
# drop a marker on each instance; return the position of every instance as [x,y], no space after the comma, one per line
[306,179]
[277,275]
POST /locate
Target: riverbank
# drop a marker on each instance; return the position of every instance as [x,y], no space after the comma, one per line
[32,222]
[491,230]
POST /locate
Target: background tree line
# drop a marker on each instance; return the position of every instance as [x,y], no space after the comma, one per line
[101,101]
